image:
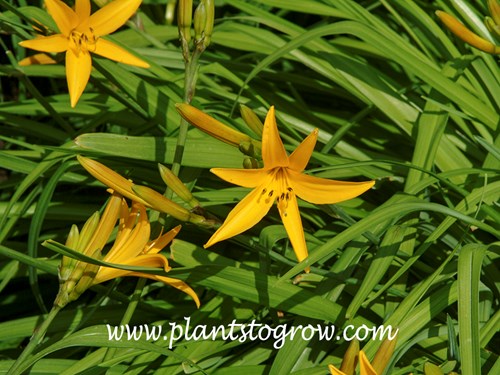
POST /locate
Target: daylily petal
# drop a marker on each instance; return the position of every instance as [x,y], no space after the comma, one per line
[323,191]
[78,67]
[37,59]
[334,370]
[179,284]
[150,260]
[273,151]
[107,223]
[106,273]
[245,215]
[114,52]
[130,243]
[155,261]
[365,366]
[65,18]
[290,215]
[110,178]
[162,241]
[126,223]
[249,178]
[301,155]
[112,16]
[82,9]
[53,43]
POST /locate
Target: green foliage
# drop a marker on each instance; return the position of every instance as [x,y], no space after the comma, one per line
[396,98]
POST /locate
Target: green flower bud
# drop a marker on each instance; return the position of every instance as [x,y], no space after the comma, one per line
[172,181]
[251,119]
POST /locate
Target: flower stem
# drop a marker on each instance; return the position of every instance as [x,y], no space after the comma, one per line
[190,78]
[18,367]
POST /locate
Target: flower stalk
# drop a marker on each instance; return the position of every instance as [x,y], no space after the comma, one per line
[21,363]
[204,21]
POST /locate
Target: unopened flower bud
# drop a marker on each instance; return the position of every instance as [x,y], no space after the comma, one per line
[430,369]
[247,148]
[200,20]
[160,203]
[457,28]
[110,178]
[251,119]
[68,263]
[350,359]
[492,26]
[494,7]
[178,187]
[214,128]
[250,163]
[86,278]
[384,354]
[184,19]
[204,23]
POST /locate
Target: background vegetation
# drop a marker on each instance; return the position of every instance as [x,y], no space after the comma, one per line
[396,97]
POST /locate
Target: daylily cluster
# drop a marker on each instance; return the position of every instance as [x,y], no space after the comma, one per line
[281,180]
[471,38]
[132,247]
[80,34]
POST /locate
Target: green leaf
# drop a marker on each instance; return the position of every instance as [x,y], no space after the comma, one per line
[202,152]
[469,272]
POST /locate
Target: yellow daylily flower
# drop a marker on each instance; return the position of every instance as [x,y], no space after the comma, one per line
[80,34]
[281,180]
[132,247]
[364,365]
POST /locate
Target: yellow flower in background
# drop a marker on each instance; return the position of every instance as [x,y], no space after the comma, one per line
[132,247]
[365,367]
[471,38]
[281,180]
[80,34]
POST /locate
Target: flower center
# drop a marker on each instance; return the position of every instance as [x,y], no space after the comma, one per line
[82,41]
[279,190]
[283,199]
